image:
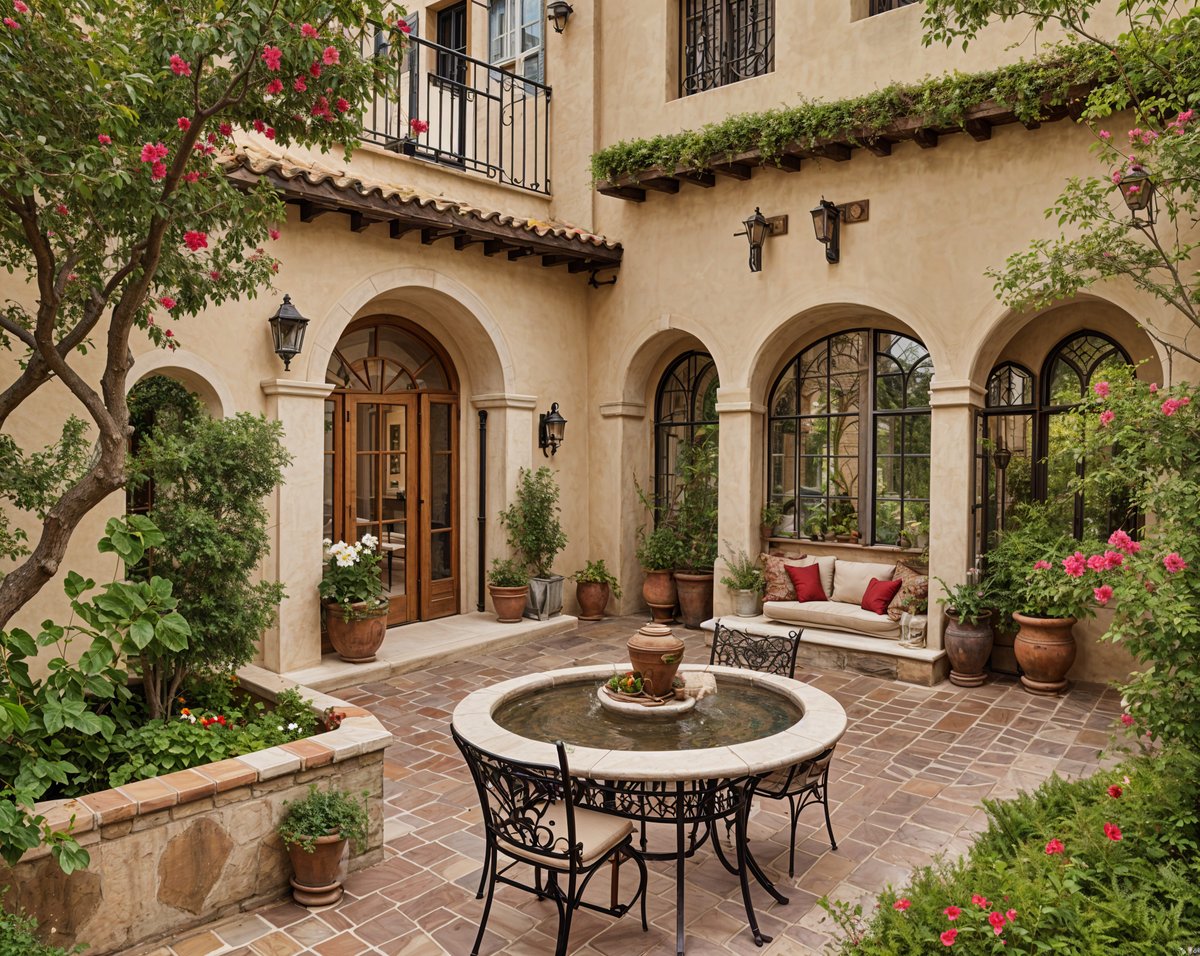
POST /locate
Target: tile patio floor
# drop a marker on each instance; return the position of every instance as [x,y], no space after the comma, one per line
[905,785]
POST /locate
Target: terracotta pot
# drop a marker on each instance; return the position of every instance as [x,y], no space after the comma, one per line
[509,603]
[658,591]
[593,599]
[1045,650]
[766,530]
[695,598]
[655,653]
[968,646]
[315,881]
[356,635]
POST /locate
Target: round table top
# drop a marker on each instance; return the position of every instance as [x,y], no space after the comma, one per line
[822,725]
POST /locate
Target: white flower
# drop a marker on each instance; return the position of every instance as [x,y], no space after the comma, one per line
[293,726]
[326,542]
[281,727]
[345,560]
[369,541]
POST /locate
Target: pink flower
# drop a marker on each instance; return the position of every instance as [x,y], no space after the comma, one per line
[1042,566]
[62,210]
[980,901]
[11,23]
[949,937]
[184,123]
[902,904]
[153,152]
[1112,831]
[158,171]
[403,27]
[169,334]
[104,139]
[273,233]
[1172,405]
[272,56]
[314,70]
[1105,135]
[1010,915]
[1103,594]
[214,274]
[1127,720]
[1120,539]
[1185,117]
[1074,565]
[1101,389]
[1174,563]
[997,921]
[1149,136]
[418,125]
[299,85]
[342,104]
[226,129]
[180,66]
[1096,562]
[1113,559]
[1135,133]
[195,240]
[330,56]
[1115,792]
[20,7]
[952,913]
[275,86]
[1116,177]
[167,302]
[1054,846]
[308,31]
[1106,417]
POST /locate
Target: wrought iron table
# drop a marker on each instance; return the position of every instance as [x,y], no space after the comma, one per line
[692,790]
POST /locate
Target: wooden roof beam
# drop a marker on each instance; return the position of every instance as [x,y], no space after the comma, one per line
[310,210]
[628,193]
[879,147]
[979,130]
[701,179]
[925,137]
[520,253]
[398,228]
[661,184]
[431,234]
[739,171]
[555,260]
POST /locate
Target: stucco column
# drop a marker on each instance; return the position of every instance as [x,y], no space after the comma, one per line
[616,513]
[740,495]
[296,553]
[952,445]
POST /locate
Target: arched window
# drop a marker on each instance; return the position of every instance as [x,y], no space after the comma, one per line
[853,404]
[685,403]
[1025,430]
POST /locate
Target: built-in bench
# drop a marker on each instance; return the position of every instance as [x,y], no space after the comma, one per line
[838,650]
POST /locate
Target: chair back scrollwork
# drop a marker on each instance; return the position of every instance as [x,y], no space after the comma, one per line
[766,653]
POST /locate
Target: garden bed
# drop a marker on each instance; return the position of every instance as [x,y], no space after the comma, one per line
[183,849]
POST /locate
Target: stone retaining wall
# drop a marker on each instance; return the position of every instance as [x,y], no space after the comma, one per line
[189,847]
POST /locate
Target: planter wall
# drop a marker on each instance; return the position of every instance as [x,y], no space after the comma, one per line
[184,849]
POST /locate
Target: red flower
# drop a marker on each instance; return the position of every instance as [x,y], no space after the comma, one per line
[158,171]
[221,719]
[259,126]
[227,129]
[214,274]
[275,86]
[418,125]
[269,132]
[272,56]
[62,210]
[195,240]
[104,139]
[169,334]
[167,302]
[153,152]
[1115,791]
[299,85]
[308,31]
[314,70]
[952,912]
[180,66]
[902,904]
[342,104]
[997,921]
[331,56]
[11,23]
[980,901]
[1127,720]
[1054,846]
[1112,831]
[1011,916]
[184,123]
[273,233]
[949,937]
[1174,563]
[403,27]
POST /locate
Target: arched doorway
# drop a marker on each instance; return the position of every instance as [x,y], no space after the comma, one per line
[391,460]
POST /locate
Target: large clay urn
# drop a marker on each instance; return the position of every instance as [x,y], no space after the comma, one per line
[356,631]
[593,599]
[655,653]
[509,602]
[1045,650]
[968,646]
[658,590]
[695,598]
[316,882]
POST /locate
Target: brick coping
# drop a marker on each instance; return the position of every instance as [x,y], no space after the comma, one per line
[359,733]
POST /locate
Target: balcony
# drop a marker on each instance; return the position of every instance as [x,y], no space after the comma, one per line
[480,118]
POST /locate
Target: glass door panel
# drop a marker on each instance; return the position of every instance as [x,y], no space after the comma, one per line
[439,517]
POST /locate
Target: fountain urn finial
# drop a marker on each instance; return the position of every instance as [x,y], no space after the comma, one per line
[655,652]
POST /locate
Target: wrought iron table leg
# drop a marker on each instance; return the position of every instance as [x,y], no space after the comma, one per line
[679,875]
[744,864]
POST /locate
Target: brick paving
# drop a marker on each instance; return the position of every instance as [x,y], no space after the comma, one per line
[906,785]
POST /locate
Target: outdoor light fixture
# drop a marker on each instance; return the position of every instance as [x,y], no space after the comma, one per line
[827,224]
[758,228]
[1137,189]
[559,13]
[551,427]
[287,329]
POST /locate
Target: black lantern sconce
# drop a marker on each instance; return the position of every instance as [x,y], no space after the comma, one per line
[558,13]
[828,218]
[758,228]
[551,427]
[1137,189]
[287,329]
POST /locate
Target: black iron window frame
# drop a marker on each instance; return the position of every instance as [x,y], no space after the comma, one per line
[884,6]
[724,41]
[696,366]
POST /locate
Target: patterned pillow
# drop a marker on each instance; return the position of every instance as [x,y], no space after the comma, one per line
[779,585]
[913,590]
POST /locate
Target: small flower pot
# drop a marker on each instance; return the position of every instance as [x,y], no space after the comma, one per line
[593,599]
[315,881]
[356,631]
[745,603]
[509,603]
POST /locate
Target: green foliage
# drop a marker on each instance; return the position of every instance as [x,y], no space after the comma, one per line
[18,937]
[532,520]
[743,572]
[1030,88]
[596,572]
[770,515]
[972,601]
[210,478]
[158,401]
[659,549]
[508,573]
[693,512]
[1137,894]
[322,812]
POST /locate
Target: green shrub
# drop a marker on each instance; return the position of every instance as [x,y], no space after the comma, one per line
[596,572]
[18,937]
[532,520]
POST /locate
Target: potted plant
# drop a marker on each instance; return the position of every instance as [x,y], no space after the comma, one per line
[745,578]
[508,584]
[769,519]
[535,532]
[968,636]
[355,606]
[658,554]
[694,517]
[593,586]
[815,527]
[315,831]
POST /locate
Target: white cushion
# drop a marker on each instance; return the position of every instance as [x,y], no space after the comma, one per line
[824,565]
[850,579]
[834,615]
[598,832]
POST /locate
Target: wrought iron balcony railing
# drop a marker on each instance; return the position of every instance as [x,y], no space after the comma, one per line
[453,109]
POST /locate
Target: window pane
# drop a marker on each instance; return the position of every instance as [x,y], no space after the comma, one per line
[499,47]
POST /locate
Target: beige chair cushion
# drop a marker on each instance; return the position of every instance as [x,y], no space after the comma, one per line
[850,579]
[598,832]
[825,570]
[833,616]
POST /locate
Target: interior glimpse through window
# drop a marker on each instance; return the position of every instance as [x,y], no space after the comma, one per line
[724,41]
[515,37]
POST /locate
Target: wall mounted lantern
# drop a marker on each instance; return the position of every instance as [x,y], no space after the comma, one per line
[827,224]
[1137,189]
[559,12]
[287,329]
[758,228]
[551,427]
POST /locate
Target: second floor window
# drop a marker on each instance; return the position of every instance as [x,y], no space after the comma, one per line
[515,37]
[724,41]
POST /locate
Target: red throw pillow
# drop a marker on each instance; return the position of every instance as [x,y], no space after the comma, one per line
[807,581]
[879,594]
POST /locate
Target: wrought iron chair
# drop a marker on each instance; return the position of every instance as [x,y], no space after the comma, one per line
[800,784]
[529,815]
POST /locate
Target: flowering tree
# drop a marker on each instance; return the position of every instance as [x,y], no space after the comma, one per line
[1158,79]
[115,118]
